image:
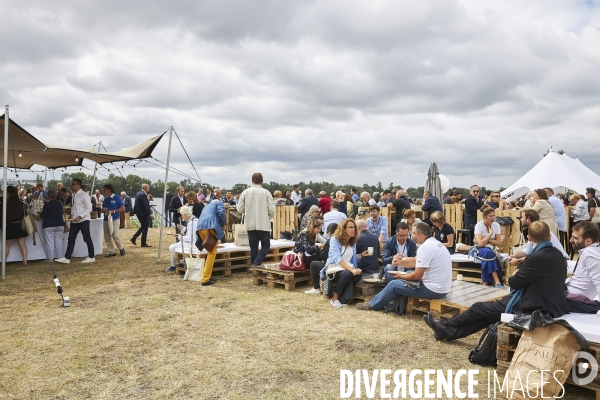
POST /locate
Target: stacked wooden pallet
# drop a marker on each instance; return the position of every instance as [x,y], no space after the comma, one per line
[462,296]
[286,219]
[226,263]
[273,277]
[454,216]
[508,340]
[366,291]
[510,233]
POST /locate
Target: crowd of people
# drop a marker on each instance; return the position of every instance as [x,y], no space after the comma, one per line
[335,232]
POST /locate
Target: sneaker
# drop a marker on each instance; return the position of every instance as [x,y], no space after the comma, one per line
[171,269]
[364,306]
[111,255]
[209,283]
[336,304]
[122,251]
[498,286]
[63,260]
[313,291]
[88,260]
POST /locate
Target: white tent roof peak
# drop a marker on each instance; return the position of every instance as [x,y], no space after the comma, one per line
[556,171]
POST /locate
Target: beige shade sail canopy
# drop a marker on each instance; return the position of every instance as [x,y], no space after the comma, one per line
[34,152]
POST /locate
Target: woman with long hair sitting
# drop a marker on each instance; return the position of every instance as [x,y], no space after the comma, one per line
[306,243]
[342,251]
[487,235]
[313,212]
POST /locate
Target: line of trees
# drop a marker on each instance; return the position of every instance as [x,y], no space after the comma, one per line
[132,183]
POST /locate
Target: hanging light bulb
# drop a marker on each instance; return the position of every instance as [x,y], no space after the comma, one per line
[20,154]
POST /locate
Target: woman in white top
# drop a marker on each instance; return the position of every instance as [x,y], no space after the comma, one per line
[580,209]
[187,238]
[544,209]
[487,235]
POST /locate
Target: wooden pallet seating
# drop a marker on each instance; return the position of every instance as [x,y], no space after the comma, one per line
[226,263]
[462,296]
[270,274]
[454,216]
[508,340]
[470,271]
[286,219]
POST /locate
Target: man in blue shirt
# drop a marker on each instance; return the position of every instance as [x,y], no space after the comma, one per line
[112,207]
[377,224]
[354,194]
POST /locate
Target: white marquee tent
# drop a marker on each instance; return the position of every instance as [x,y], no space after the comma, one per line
[557,171]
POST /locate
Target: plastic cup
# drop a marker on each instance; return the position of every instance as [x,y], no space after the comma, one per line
[459,277]
[370,250]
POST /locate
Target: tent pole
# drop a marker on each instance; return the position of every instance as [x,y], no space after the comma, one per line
[160,238]
[95,169]
[5,177]
[46,178]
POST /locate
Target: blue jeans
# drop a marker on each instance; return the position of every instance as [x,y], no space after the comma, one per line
[395,288]
[254,237]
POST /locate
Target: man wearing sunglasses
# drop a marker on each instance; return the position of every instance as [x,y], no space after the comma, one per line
[473,203]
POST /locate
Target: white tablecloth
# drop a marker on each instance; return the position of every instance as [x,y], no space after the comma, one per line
[37,252]
[228,247]
[586,324]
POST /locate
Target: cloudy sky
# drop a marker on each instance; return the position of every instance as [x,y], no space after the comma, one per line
[344,91]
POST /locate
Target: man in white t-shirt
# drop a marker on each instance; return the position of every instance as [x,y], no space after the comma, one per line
[433,268]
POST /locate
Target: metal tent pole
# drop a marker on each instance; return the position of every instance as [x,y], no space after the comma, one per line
[160,239]
[5,177]
[95,169]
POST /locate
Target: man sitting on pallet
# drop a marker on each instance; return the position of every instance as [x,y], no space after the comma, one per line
[527,217]
[542,277]
[586,276]
[431,279]
[399,252]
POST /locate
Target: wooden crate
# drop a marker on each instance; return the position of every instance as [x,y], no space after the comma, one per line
[286,219]
[273,276]
[508,340]
[454,216]
[462,296]
[366,291]
[225,263]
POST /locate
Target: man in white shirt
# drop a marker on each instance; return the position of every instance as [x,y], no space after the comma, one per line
[559,213]
[257,205]
[527,217]
[333,217]
[296,197]
[433,269]
[80,214]
[586,278]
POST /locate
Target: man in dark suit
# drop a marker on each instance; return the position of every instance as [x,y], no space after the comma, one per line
[398,253]
[307,202]
[369,264]
[176,203]
[542,278]
[168,214]
[400,204]
[472,204]
[431,205]
[141,208]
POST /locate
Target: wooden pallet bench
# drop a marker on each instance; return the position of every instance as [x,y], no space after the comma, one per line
[462,296]
[270,274]
[275,254]
[508,340]
[470,271]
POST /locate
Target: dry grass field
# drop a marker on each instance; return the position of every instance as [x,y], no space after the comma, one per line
[136,331]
